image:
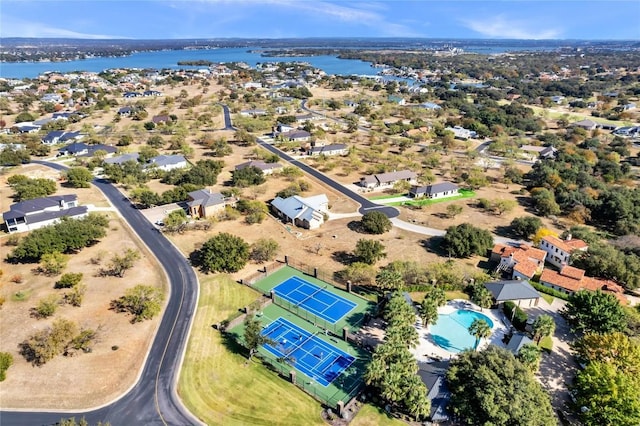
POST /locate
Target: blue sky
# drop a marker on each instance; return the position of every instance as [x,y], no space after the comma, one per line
[154,19]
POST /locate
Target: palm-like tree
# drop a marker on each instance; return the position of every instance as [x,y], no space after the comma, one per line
[481,296]
[529,355]
[428,312]
[544,325]
[480,330]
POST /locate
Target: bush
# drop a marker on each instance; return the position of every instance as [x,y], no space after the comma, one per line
[6,360]
[142,301]
[47,306]
[69,280]
[222,253]
[519,320]
[544,289]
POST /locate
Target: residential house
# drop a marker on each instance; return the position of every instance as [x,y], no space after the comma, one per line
[303,118]
[267,168]
[436,190]
[430,105]
[161,119]
[559,251]
[332,149]
[26,127]
[387,180]
[462,133]
[570,279]
[433,375]
[306,212]
[121,159]
[522,261]
[83,150]
[253,112]
[168,162]
[52,97]
[416,133]
[557,99]
[398,100]
[587,124]
[125,111]
[519,292]
[151,93]
[60,136]
[629,106]
[533,153]
[33,214]
[296,136]
[131,94]
[204,203]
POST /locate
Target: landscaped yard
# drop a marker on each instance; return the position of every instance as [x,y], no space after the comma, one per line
[463,193]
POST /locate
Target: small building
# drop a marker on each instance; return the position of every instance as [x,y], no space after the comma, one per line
[168,162]
[121,159]
[306,212]
[125,111]
[559,251]
[267,168]
[60,136]
[387,180]
[533,153]
[33,214]
[462,133]
[296,135]
[332,149]
[253,112]
[586,124]
[161,119]
[436,190]
[430,105]
[151,93]
[519,292]
[204,203]
[517,341]
[398,100]
[433,375]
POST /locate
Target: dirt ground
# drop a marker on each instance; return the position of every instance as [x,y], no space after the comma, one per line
[87,379]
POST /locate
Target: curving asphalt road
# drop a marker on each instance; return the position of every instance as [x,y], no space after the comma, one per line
[153,399]
[365,204]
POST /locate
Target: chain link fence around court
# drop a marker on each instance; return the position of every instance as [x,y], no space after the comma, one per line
[347,388]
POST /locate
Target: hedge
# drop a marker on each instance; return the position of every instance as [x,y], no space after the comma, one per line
[548,290]
[519,319]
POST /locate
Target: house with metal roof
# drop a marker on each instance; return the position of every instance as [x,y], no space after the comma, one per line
[266,168]
[433,375]
[168,162]
[306,212]
[517,341]
[519,292]
[33,214]
[331,149]
[387,180]
[436,190]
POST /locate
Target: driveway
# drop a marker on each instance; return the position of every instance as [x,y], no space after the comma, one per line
[558,368]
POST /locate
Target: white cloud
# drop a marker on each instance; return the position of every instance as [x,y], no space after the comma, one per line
[503,27]
[14,27]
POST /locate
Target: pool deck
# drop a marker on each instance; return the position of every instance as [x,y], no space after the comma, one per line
[427,350]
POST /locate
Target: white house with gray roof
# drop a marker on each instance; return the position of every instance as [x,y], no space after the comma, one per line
[204,203]
[168,162]
[387,180]
[33,214]
[436,190]
[306,212]
[266,168]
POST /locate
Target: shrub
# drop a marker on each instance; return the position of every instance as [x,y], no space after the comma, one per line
[519,320]
[376,222]
[69,280]
[47,306]
[6,360]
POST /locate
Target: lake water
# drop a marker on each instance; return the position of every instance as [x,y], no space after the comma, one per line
[170,58]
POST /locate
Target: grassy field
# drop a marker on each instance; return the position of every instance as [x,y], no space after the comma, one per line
[370,415]
[220,386]
[217,382]
[464,193]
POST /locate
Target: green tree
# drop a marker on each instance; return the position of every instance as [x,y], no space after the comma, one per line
[479,329]
[389,279]
[615,348]
[610,396]
[529,355]
[142,301]
[120,264]
[75,296]
[79,177]
[481,296]
[465,240]
[223,253]
[175,219]
[453,210]
[253,336]
[248,176]
[525,226]
[47,306]
[264,250]
[595,312]
[543,326]
[513,392]
[376,222]
[369,251]
[53,263]
[428,311]
[255,211]
[44,345]
[359,273]
[25,188]
[6,361]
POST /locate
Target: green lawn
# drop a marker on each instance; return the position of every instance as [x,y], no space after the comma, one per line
[370,415]
[546,344]
[547,297]
[464,193]
[220,386]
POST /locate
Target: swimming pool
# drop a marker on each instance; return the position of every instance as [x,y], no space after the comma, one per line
[451,331]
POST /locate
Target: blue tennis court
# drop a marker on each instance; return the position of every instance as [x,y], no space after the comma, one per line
[308,353]
[317,300]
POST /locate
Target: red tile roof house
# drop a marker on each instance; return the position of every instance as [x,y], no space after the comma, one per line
[559,251]
[570,279]
[522,260]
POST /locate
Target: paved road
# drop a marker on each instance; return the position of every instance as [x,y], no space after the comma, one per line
[365,204]
[153,399]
